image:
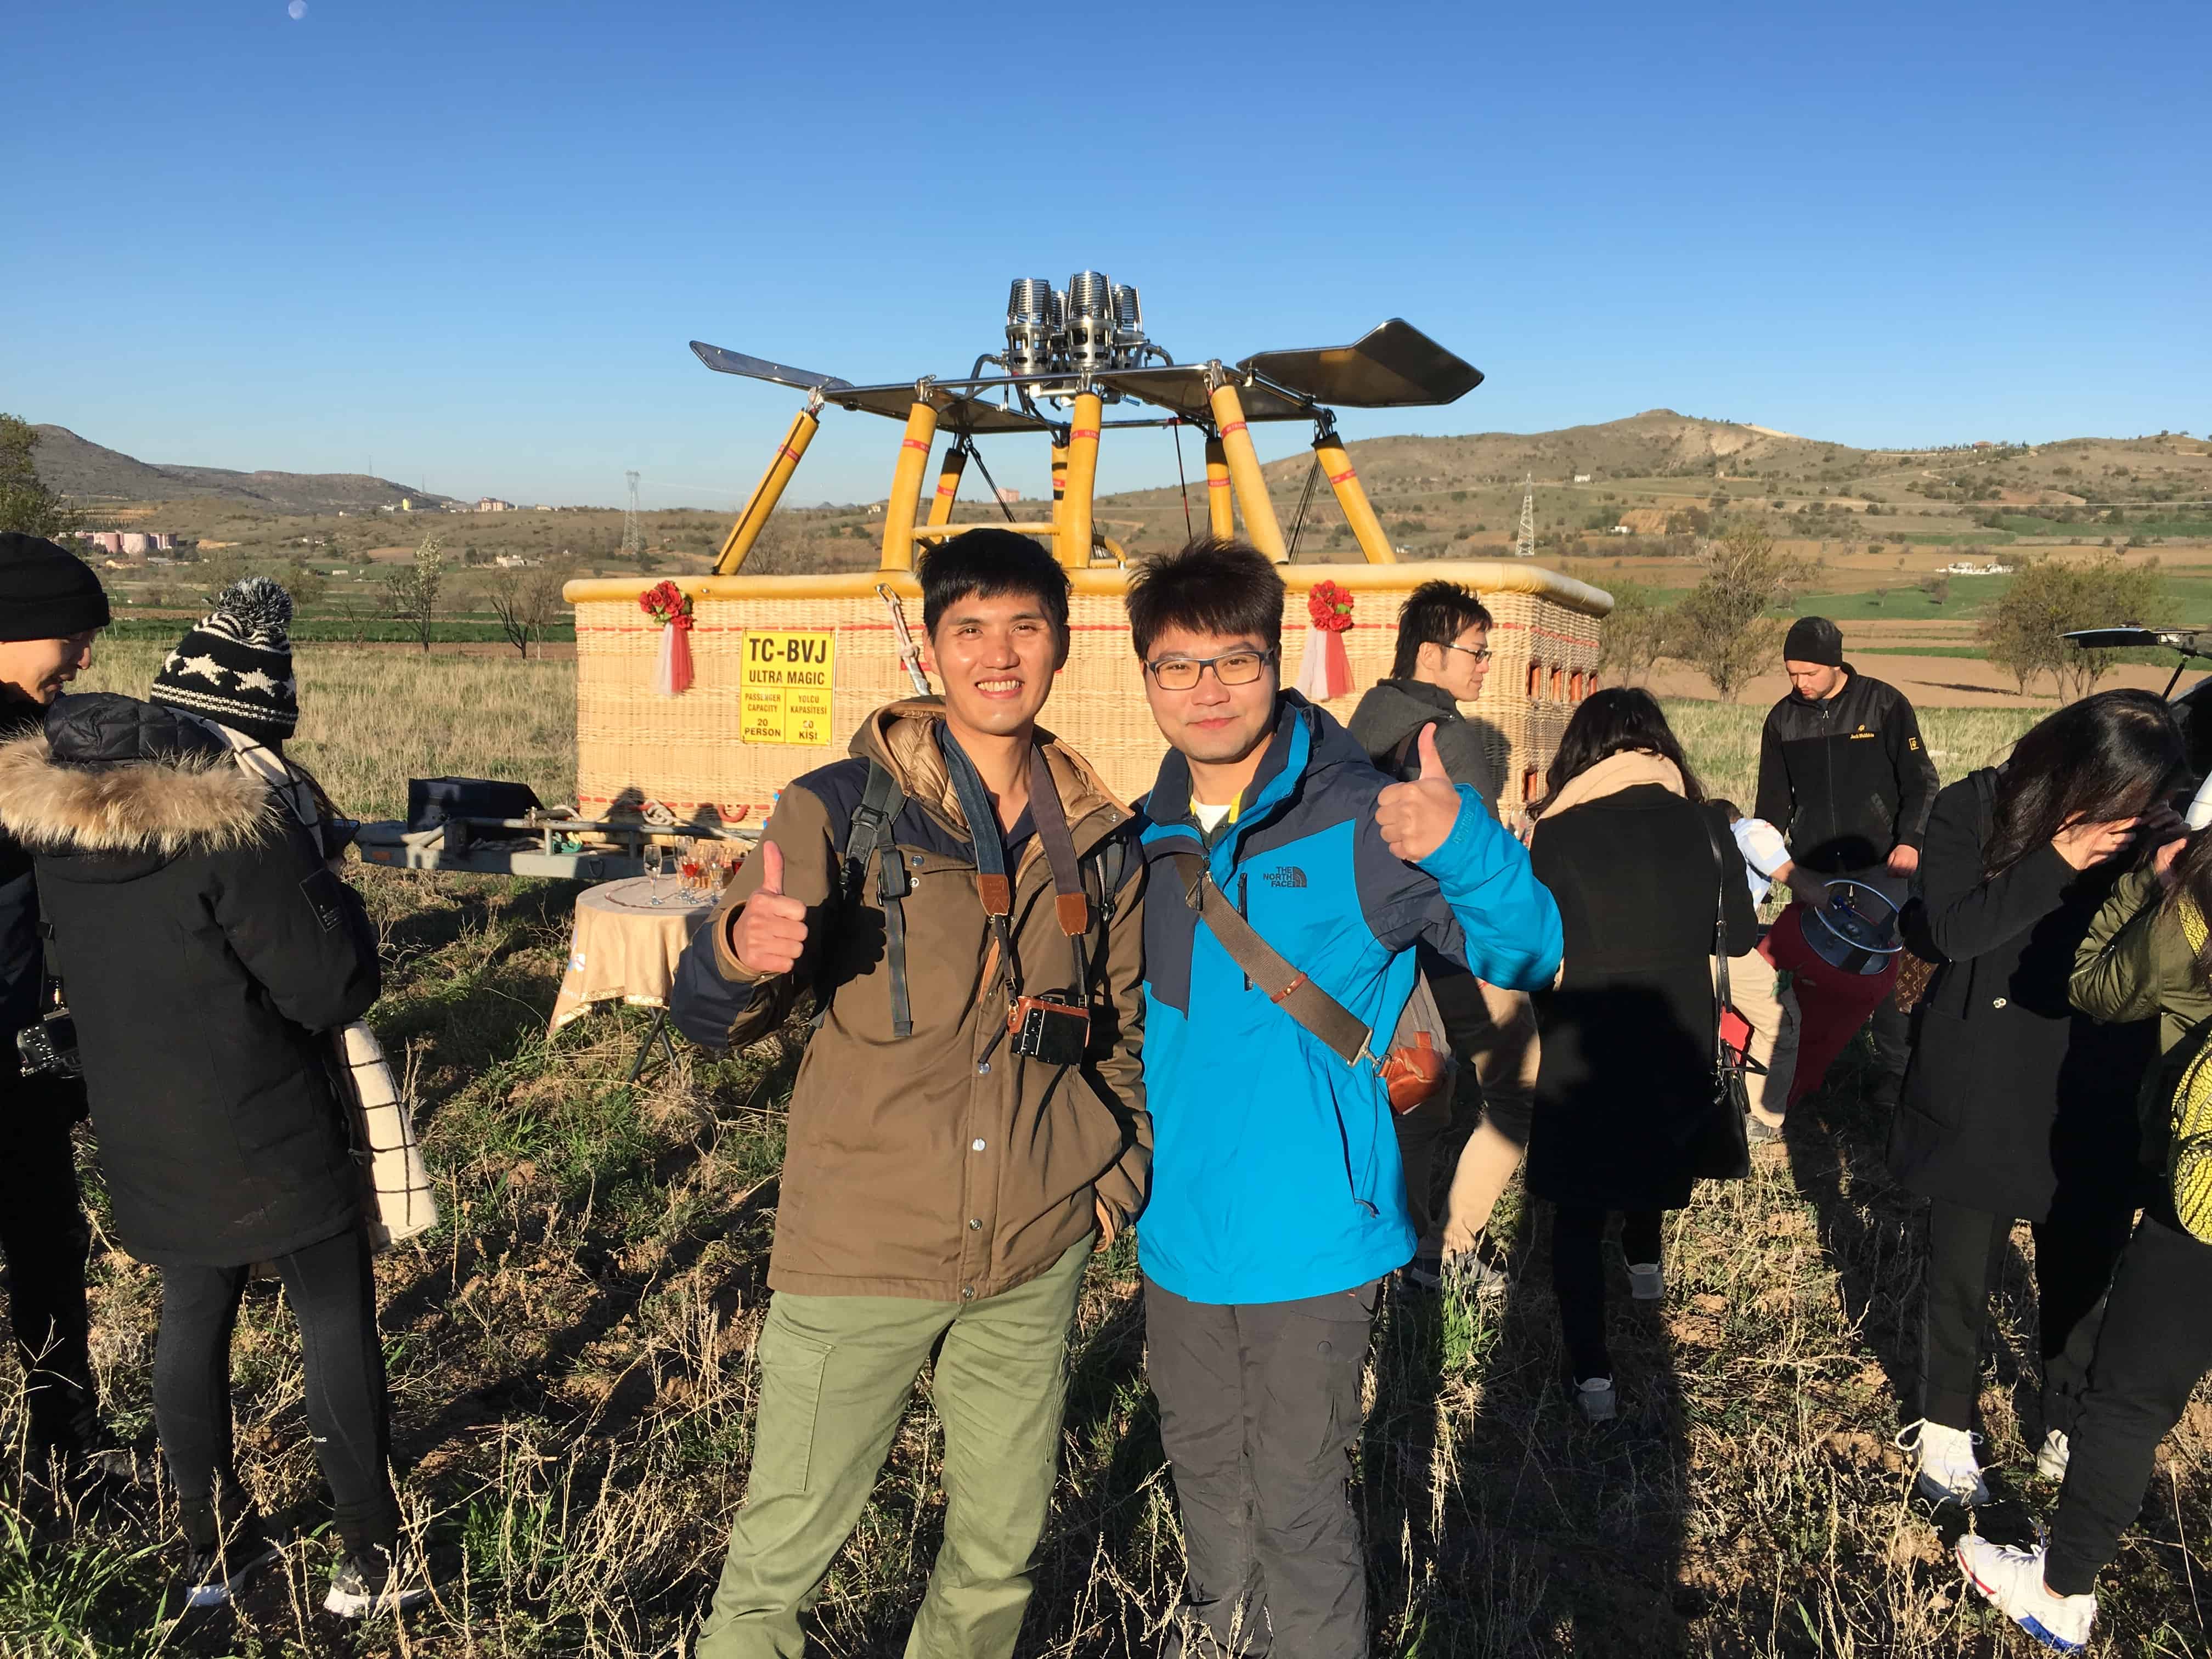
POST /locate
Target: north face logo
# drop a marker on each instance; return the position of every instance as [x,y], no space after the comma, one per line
[1284,875]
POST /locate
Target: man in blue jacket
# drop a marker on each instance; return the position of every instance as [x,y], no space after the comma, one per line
[1278,1201]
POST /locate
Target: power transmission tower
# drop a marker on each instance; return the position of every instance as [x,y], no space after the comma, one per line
[1524,544]
[633,536]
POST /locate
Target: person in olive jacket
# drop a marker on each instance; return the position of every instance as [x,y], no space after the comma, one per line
[51,607]
[945,1180]
[207,950]
[2149,954]
[2016,1106]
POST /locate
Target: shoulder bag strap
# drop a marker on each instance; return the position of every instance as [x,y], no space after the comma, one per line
[1288,990]
[1720,1061]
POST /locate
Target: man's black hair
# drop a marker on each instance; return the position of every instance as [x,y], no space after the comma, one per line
[1435,613]
[1214,585]
[989,562]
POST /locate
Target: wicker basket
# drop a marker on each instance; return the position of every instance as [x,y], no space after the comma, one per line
[685,752]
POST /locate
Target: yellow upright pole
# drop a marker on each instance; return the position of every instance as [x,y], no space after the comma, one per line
[766,494]
[1220,502]
[1073,541]
[906,486]
[1358,512]
[1059,481]
[1260,523]
[948,484]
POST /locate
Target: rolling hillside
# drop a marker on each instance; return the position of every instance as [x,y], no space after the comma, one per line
[94,475]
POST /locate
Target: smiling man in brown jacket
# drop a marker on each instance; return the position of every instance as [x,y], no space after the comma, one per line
[946,1177]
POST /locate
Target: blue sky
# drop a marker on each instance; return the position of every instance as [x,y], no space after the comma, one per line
[469,241]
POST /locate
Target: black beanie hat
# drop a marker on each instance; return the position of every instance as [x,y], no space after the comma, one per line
[1815,639]
[46,591]
[235,667]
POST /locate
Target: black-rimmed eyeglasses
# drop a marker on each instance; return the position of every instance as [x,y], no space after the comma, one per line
[1181,673]
[1480,652]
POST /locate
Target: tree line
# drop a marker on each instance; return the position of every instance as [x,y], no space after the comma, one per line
[1721,626]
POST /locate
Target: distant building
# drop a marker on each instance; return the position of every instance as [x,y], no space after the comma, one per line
[406,503]
[135,541]
[1009,495]
[1582,477]
[515,561]
[1642,521]
[493,504]
[1968,568]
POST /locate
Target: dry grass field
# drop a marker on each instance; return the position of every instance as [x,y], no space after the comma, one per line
[571,1354]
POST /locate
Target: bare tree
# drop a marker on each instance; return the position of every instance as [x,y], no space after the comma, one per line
[528,603]
[1720,628]
[1633,637]
[412,596]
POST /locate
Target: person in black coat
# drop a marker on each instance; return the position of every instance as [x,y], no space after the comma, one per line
[2016,1106]
[51,607]
[1627,1116]
[208,950]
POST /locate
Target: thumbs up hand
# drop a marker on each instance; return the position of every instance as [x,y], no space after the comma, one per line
[1415,817]
[768,933]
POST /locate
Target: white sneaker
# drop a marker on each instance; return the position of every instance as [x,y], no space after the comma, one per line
[2051,1460]
[2012,1581]
[1647,1282]
[1944,1461]
[1594,1395]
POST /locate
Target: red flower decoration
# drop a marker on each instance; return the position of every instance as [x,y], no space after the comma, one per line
[667,605]
[1329,605]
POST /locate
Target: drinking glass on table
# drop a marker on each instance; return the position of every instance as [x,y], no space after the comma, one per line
[653,864]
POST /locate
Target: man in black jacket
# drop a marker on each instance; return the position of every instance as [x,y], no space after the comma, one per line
[1442,659]
[1843,775]
[51,606]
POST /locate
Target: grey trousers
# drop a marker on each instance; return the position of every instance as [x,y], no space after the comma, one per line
[1259,1409]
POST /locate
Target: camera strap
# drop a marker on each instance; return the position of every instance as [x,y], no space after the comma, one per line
[994,886]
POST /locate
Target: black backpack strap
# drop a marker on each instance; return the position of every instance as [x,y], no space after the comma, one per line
[881,802]
[1406,759]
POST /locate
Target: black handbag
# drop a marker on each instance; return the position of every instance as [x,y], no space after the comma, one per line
[1724,1151]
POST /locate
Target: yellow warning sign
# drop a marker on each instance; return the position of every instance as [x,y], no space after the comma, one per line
[785,686]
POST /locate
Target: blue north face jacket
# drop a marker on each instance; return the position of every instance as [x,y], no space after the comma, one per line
[1275,1171]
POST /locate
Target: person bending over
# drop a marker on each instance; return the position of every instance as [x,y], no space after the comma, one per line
[2017,1107]
[2148,955]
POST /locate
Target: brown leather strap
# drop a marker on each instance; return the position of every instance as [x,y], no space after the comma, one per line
[1286,986]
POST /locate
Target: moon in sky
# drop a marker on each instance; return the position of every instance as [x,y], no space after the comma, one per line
[297,10]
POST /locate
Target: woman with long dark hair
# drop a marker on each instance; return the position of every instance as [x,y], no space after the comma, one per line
[2148,955]
[2015,1107]
[1626,1114]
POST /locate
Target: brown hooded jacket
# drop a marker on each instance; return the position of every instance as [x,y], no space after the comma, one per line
[937,1166]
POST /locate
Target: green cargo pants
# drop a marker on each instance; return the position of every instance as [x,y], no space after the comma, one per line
[835,1374]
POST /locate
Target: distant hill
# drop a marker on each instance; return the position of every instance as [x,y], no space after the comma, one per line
[92,474]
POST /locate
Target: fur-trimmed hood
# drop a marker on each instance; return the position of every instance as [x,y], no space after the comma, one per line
[131,794]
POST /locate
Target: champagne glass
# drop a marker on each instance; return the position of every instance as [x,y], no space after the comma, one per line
[652,868]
